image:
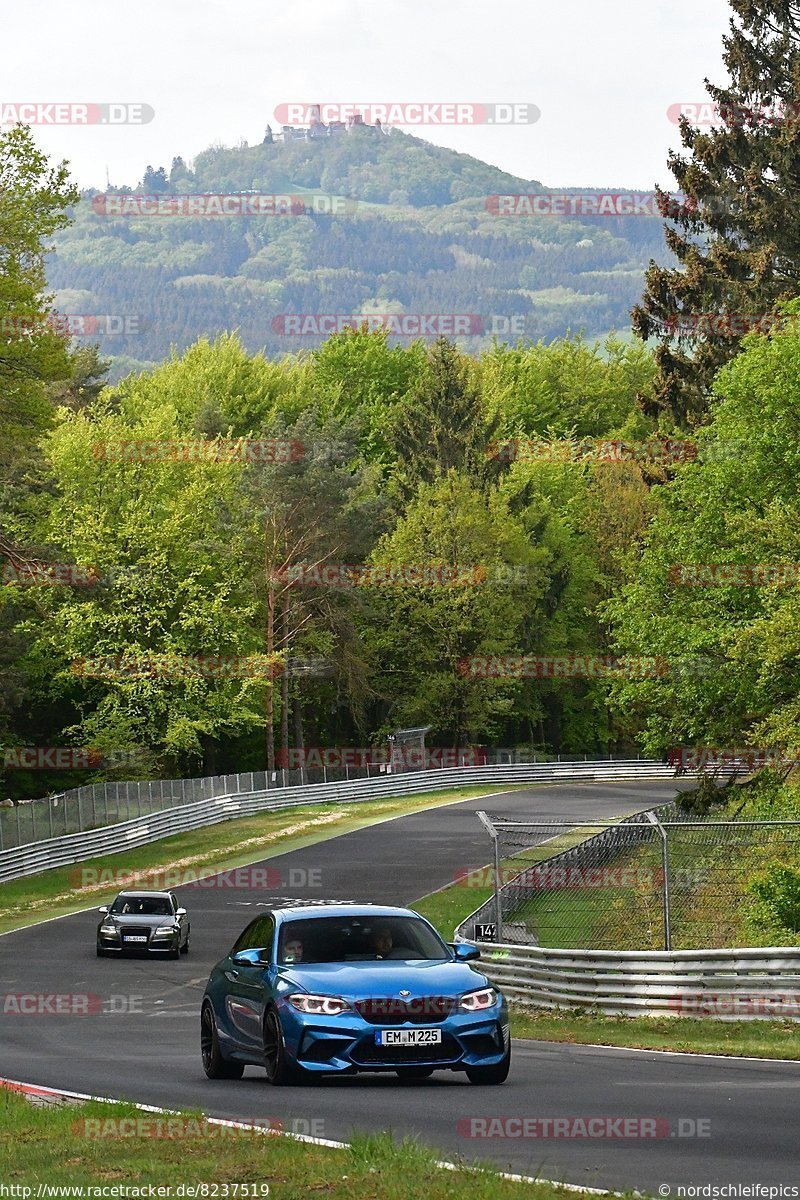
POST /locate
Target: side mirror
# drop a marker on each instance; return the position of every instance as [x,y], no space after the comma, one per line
[181,912]
[251,958]
[464,952]
[104,909]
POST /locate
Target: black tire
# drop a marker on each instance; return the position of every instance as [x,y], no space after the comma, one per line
[214,1065]
[185,947]
[100,952]
[279,1069]
[414,1074]
[176,953]
[486,1076]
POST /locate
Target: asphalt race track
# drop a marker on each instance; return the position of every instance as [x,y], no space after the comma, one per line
[140,1039]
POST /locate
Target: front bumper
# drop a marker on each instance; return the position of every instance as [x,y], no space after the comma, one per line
[347,1043]
[106,941]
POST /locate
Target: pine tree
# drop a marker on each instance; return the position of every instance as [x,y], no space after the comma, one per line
[441,424]
[736,228]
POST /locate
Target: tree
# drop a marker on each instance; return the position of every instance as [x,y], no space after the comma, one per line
[155,181]
[442,424]
[735,234]
[34,197]
[421,634]
[729,640]
[318,507]
[86,379]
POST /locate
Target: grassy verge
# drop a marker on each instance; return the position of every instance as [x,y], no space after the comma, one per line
[50,1146]
[691,1035]
[219,847]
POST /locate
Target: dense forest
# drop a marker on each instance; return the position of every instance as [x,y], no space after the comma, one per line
[559,544]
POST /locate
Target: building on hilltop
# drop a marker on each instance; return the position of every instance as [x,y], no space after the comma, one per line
[317,128]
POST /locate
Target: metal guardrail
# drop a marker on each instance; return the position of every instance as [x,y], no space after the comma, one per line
[111,839]
[748,984]
[92,805]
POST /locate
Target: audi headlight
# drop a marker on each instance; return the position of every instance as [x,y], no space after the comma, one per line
[318,1006]
[166,931]
[477,1001]
[108,929]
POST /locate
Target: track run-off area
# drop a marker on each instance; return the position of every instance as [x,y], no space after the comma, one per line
[705,1120]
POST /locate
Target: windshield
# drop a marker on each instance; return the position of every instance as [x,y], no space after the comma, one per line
[356,939]
[141,906]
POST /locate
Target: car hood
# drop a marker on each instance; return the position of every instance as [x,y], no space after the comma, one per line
[133,919]
[359,979]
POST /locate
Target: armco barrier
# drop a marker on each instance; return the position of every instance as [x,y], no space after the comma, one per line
[111,839]
[738,985]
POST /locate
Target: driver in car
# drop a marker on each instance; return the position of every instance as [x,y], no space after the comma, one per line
[293,951]
[383,946]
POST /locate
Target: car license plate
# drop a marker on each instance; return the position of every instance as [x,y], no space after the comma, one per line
[133,937]
[409,1037]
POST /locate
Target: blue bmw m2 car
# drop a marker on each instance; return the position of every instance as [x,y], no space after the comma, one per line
[322,989]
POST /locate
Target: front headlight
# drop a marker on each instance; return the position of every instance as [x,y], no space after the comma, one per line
[477,1001]
[166,931]
[108,929]
[319,1006]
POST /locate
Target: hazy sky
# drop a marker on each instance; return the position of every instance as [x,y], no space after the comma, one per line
[603,74]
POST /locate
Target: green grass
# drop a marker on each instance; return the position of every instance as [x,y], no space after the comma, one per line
[220,847]
[49,1145]
[692,1035]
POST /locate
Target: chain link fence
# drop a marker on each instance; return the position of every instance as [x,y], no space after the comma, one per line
[658,880]
[97,805]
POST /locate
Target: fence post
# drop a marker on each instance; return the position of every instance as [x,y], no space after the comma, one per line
[665,887]
[498,901]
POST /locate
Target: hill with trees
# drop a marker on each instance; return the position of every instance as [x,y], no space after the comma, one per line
[419,234]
